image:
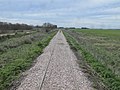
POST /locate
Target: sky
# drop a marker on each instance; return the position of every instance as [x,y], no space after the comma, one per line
[66,13]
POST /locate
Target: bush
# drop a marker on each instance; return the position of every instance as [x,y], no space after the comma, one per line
[28,41]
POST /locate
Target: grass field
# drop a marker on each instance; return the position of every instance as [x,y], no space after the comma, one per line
[14,34]
[18,53]
[101,50]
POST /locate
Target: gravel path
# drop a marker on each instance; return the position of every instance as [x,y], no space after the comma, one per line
[56,69]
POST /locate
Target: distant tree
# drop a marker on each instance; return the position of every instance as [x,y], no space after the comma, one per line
[48,26]
[37,26]
[84,28]
[72,28]
[61,27]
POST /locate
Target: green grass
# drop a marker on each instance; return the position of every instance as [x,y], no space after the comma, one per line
[16,60]
[15,35]
[17,41]
[104,47]
[101,32]
[97,63]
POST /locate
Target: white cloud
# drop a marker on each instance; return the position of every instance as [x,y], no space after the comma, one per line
[27,21]
[91,13]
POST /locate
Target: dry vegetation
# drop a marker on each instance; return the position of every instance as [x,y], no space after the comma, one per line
[17,54]
[101,51]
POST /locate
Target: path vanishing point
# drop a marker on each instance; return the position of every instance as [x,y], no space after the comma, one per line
[56,69]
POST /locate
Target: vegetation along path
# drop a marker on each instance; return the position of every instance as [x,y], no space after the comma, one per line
[56,69]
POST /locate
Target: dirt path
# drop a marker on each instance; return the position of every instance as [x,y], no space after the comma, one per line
[56,69]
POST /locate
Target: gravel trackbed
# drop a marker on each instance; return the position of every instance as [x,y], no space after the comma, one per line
[56,69]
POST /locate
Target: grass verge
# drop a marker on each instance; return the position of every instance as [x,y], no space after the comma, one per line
[111,81]
[23,57]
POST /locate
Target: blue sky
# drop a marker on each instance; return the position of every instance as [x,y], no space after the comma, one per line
[67,13]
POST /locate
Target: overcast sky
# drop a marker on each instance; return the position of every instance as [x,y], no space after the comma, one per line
[78,13]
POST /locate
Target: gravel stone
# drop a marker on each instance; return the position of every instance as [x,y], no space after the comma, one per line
[56,69]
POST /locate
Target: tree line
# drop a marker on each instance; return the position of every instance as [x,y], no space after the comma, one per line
[6,27]
[17,26]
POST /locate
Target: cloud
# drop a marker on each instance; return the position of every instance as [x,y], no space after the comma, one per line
[91,13]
